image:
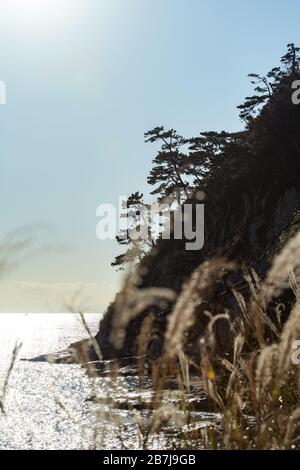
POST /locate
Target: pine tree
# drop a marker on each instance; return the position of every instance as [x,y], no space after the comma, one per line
[266,86]
[168,170]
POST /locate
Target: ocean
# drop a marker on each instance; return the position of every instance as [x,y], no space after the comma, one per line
[58,406]
[49,406]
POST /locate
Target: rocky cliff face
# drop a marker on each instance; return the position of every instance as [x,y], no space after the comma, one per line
[252,208]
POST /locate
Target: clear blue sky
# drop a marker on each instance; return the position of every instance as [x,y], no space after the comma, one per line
[84,81]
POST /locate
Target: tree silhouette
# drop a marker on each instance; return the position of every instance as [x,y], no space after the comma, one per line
[267,85]
[168,170]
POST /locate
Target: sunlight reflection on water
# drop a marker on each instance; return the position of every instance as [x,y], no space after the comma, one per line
[51,406]
[45,406]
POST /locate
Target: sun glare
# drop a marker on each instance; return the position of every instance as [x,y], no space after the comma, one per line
[36,14]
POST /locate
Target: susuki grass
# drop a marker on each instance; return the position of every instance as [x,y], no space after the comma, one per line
[5,384]
[252,386]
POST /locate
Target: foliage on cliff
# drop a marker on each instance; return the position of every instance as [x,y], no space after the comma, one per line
[251,184]
[226,317]
[241,174]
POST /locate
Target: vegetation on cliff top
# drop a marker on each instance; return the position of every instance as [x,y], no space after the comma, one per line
[227,316]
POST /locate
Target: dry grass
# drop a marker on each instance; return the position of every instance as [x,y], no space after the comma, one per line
[254,387]
[5,385]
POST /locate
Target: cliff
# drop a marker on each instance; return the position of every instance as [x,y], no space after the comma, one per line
[252,207]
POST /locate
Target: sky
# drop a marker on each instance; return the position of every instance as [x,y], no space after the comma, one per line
[84,80]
